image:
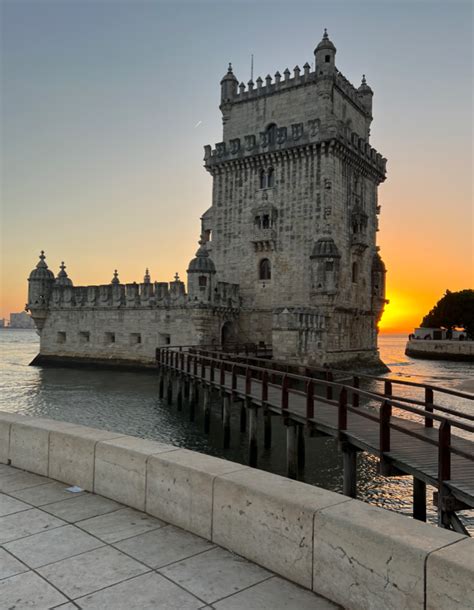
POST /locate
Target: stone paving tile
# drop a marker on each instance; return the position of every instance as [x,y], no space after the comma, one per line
[44,494]
[163,546]
[19,479]
[120,524]
[91,571]
[25,523]
[277,594]
[215,574]
[81,507]
[145,592]
[28,590]
[47,547]
[10,505]
[9,566]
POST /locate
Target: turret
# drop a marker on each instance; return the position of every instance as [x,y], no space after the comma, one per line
[62,278]
[40,284]
[201,272]
[229,85]
[365,95]
[325,56]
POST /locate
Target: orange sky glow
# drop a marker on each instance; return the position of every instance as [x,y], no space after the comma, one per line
[103,170]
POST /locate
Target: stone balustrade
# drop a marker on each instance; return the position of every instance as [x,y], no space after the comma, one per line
[355,554]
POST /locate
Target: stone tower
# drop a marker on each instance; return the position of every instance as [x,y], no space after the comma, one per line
[294,212]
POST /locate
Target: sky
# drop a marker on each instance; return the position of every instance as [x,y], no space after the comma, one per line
[106,106]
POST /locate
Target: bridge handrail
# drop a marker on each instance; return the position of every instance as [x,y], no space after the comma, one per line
[457,393]
[375,396]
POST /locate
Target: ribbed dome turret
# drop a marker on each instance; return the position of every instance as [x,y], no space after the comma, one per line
[41,272]
[364,87]
[325,248]
[229,76]
[325,43]
[62,277]
[202,263]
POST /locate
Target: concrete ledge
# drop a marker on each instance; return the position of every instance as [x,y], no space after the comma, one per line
[450,577]
[63,361]
[269,519]
[180,488]
[369,558]
[120,468]
[72,454]
[355,554]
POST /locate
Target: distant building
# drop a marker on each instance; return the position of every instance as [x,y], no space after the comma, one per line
[21,320]
[2,323]
[287,254]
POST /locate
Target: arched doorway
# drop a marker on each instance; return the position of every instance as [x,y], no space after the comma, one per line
[227,334]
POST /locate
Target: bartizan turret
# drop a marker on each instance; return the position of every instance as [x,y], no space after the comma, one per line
[201,272]
[40,285]
[229,85]
[325,56]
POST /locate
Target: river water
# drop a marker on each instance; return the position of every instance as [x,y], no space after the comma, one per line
[128,402]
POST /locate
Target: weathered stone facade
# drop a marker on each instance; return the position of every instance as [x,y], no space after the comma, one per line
[288,251]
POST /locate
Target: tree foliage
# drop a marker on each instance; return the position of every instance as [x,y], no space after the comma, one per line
[454,309]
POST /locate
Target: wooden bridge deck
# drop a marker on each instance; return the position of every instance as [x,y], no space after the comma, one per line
[407,439]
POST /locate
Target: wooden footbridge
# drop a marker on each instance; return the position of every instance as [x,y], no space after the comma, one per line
[409,435]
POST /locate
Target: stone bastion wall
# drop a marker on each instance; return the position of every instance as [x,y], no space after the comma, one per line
[357,555]
[440,350]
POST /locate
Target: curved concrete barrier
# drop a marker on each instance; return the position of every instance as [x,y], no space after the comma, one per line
[355,554]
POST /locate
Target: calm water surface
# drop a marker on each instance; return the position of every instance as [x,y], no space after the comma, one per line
[128,402]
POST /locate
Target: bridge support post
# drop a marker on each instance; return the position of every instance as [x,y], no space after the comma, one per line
[226,419]
[301,448]
[419,499]
[161,384]
[291,451]
[253,447]
[186,388]
[349,461]
[267,430]
[179,393]
[193,399]
[169,390]
[243,417]
[206,399]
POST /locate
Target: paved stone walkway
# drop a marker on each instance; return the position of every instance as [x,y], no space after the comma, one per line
[64,550]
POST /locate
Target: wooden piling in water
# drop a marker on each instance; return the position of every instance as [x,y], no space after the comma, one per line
[301,448]
[179,393]
[193,399]
[253,447]
[161,385]
[291,451]
[243,417]
[169,390]
[206,407]
[419,499]
[226,419]
[267,430]
[349,462]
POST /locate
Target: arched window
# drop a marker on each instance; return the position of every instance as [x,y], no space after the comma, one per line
[270,177]
[265,269]
[263,179]
[202,281]
[355,272]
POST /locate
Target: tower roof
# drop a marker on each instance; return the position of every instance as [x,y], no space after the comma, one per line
[202,263]
[62,278]
[229,75]
[364,87]
[325,43]
[41,271]
[325,248]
